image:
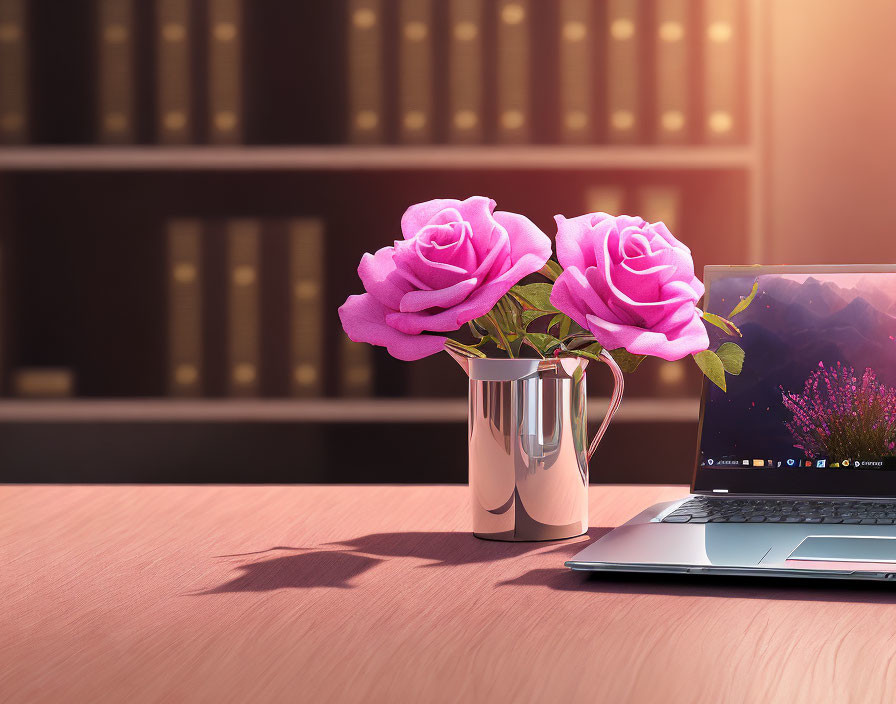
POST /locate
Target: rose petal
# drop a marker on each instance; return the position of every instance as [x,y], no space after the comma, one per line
[377,272]
[573,295]
[410,259]
[671,345]
[364,320]
[476,210]
[416,301]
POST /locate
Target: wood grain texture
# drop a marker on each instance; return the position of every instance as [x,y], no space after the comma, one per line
[379,594]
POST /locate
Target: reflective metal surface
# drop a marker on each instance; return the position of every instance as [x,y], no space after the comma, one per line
[771,549]
[529,450]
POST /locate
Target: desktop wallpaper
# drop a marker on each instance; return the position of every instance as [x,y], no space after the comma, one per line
[819,381]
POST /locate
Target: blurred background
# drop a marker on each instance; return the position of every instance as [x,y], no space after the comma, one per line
[187,186]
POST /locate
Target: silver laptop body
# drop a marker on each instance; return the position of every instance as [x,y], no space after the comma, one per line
[772,492]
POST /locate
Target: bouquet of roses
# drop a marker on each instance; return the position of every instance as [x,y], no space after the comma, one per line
[619,283]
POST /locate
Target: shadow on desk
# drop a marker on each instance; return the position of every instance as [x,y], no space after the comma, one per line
[340,563]
[725,587]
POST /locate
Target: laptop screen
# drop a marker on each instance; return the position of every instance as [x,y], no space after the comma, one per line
[814,409]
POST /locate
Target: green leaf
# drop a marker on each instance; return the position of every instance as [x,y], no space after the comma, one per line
[732,357]
[490,325]
[712,366]
[742,306]
[722,324]
[463,349]
[556,319]
[513,314]
[530,316]
[477,330]
[627,361]
[582,353]
[551,270]
[544,344]
[534,297]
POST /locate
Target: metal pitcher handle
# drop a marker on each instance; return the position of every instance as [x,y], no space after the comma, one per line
[615,400]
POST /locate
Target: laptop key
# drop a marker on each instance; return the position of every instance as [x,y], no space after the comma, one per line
[676,519]
[756,519]
[831,519]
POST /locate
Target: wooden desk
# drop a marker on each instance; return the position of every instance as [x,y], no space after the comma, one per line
[374,593]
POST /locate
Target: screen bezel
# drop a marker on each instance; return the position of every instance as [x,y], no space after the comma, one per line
[804,481]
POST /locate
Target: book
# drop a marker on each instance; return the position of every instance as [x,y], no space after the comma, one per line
[356,368]
[365,71]
[243,330]
[576,70]
[671,71]
[225,71]
[605,199]
[116,71]
[416,71]
[661,204]
[512,45]
[465,71]
[623,84]
[306,272]
[13,72]
[43,382]
[174,121]
[184,307]
[721,40]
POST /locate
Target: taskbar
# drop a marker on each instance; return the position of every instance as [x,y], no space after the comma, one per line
[886,463]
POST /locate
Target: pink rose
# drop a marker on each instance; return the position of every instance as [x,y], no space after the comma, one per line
[631,284]
[456,260]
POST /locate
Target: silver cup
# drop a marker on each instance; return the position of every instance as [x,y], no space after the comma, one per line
[529,446]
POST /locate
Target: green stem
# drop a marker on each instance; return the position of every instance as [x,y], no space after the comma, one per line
[501,334]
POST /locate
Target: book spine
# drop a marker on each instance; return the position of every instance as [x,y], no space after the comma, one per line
[43,382]
[623,73]
[671,71]
[306,271]
[225,71]
[243,338]
[721,42]
[605,199]
[174,122]
[116,71]
[576,71]
[13,72]
[365,68]
[465,71]
[356,368]
[513,71]
[416,71]
[184,308]
[661,204]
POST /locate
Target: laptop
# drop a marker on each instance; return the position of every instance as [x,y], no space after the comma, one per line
[796,464]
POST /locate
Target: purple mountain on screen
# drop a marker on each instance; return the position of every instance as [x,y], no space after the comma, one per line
[795,322]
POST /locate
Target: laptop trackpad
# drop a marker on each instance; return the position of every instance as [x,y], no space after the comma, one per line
[846,548]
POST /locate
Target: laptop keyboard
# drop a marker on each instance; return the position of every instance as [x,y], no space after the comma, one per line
[702,509]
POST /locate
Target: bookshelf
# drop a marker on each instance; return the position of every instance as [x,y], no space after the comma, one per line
[113,201]
[370,158]
[304,411]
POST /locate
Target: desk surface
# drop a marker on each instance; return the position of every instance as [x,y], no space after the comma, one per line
[374,593]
